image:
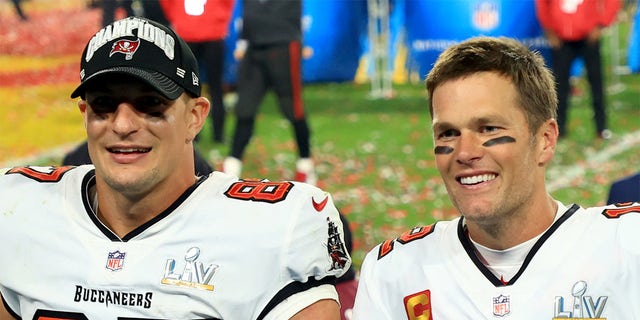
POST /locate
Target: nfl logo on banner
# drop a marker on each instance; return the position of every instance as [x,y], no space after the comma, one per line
[501,306]
[486,16]
[115,260]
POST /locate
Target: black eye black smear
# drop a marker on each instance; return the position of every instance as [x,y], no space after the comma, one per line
[499,140]
[442,150]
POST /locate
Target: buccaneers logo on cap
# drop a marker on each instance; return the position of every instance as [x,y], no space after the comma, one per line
[126,47]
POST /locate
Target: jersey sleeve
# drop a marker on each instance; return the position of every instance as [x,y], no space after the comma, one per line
[316,245]
[368,304]
[23,189]
[628,215]
[292,305]
[10,301]
[315,253]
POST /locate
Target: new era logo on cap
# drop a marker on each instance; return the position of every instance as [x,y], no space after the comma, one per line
[144,49]
[195,80]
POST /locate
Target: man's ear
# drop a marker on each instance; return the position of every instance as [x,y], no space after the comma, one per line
[547,141]
[199,112]
[83,106]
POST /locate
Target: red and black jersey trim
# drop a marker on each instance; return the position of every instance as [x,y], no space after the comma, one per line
[292,289]
[471,252]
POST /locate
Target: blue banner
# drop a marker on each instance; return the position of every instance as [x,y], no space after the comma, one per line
[333,32]
[633,56]
[433,25]
[230,63]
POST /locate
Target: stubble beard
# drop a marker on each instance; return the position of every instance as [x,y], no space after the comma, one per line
[133,189]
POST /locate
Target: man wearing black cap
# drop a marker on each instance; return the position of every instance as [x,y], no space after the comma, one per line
[137,234]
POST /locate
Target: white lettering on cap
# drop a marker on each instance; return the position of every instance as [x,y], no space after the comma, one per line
[125,28]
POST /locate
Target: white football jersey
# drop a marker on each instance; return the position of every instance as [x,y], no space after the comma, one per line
[226,249]
[585,266]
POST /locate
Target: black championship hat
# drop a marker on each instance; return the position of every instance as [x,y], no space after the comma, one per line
[144,49]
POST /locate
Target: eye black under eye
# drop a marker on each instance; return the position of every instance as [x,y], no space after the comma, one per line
[149,102]
[103,104]
[151,105]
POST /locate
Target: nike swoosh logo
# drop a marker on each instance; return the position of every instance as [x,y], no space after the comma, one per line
[319,206]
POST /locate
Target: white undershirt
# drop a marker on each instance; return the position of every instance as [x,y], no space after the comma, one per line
[504,264]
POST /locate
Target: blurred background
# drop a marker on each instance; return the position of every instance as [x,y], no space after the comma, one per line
[364,93]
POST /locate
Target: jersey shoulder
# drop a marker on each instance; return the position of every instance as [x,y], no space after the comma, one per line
[423,240]
[303,217]
[626,210]
[620,221]
[280,197]
[609,215]
[394,260]
[32,195]
[32,178]
[291,206]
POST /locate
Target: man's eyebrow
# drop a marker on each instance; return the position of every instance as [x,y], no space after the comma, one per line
[488,119]
[478,121]
[440,126]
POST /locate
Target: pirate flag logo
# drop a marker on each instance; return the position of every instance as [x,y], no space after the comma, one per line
[126,47]
[336,248]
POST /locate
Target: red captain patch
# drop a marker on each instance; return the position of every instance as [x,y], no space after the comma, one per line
[418,306]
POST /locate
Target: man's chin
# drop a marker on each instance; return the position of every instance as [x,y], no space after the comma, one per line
[129,182]
[477,212]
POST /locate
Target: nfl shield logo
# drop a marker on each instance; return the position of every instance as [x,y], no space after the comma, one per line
[485,15]
[115,260]
[501,306]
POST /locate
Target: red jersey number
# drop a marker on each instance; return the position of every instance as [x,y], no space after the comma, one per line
[622,209]
[264,191]
[411,235]
[41,174]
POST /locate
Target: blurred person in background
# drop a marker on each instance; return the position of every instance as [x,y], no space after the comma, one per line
[17,6]
[574,29]
[204,25]
[109,8]
[624,190]
[270,53]
[151,9]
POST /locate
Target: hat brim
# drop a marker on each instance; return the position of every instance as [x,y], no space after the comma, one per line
[158,81]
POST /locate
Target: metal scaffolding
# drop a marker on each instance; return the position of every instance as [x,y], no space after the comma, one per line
[379,38]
